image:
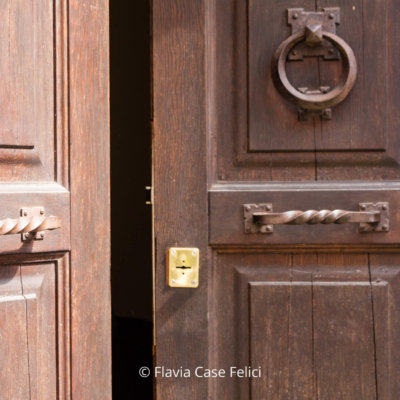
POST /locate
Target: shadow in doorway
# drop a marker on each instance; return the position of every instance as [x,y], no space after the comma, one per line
[131,262]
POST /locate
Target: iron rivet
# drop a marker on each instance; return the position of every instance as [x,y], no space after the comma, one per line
[194,252]
[248,208]
[25,213]
[384,207]
[384,227]
[363,207]
[193,282]
[295,16]
[294,52]
[41,212]
[330,51]
[269,229]
[331,16]
[268,208]
[27,235]
[172,282]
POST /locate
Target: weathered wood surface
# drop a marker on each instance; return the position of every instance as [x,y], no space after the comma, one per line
[180,190]
[259,137]
[26,90]
[36,99]
[34,345]
[315,306]
[90,199]
[227,220]
[317,324]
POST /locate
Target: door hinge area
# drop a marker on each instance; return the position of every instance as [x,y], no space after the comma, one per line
[149,195]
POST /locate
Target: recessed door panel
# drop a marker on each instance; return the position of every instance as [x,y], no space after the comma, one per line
[316,325]
[359,123]
[259,136]
[228,224]
[33,330]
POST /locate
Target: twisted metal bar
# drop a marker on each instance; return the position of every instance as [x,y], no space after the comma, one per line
[311,217]
[10,226]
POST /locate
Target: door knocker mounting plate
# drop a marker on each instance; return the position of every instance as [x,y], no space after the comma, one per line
[314,35]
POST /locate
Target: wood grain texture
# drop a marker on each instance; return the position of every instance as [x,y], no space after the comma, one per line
[40,74]
[90,199]
[360,122]
[180,176]
[315,325]
[308,304]
[271,117]
[385,272]
[228,97]
[14,378]
[61,94]
[34,331]
[26,66]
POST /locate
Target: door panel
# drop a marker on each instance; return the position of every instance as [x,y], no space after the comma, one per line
[318,325]
[34,332]
[258,135]
[26,65]
[38,100]
[34,274]
[227,220]
[315,307]
[359,123]
[28,90]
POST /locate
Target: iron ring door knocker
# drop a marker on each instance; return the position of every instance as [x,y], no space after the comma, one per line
[313,28]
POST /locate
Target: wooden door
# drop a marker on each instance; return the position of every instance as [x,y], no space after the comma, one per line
[314,307]
[54,242]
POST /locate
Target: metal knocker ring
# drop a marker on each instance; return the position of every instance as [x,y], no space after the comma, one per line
[316,101]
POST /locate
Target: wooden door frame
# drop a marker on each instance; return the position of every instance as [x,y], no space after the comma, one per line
[180,132]
[88,74]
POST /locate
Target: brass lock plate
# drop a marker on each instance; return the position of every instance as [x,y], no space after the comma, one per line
[183,267]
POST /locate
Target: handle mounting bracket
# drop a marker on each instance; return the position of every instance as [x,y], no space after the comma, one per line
[30,212]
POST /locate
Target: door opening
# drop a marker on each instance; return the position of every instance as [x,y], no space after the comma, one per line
[131,217]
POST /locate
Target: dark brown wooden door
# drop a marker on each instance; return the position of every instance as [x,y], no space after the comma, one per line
[54,320]
[315,307]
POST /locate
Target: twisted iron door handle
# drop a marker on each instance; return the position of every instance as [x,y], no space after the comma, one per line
[312,217]
[32,224]
[10,226]
[372,217]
